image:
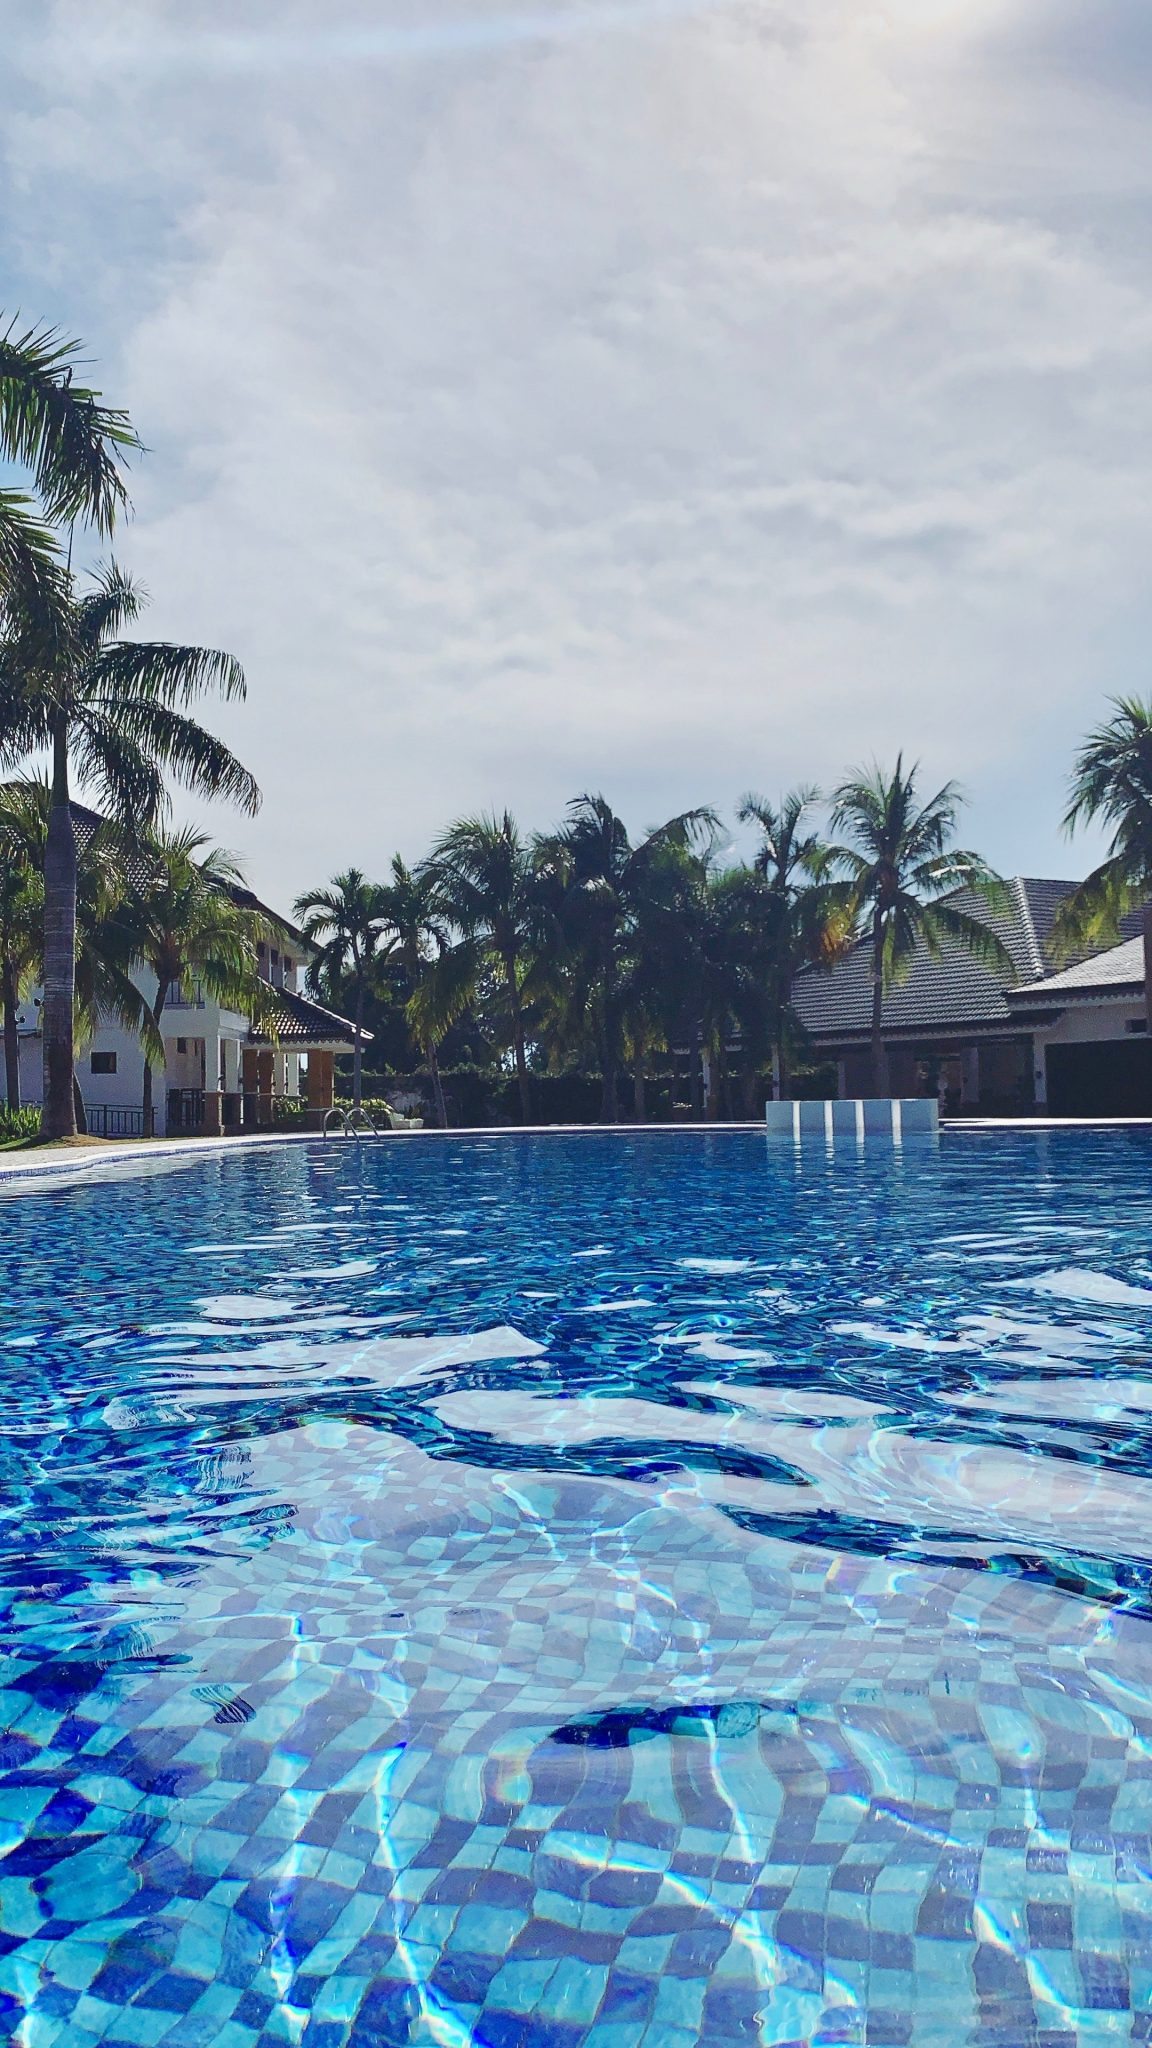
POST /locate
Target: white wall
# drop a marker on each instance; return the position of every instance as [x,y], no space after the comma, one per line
[1088,1024]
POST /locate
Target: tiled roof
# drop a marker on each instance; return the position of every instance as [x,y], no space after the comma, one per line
[86,823]
[1121,967]
[950,992]
[299,1023]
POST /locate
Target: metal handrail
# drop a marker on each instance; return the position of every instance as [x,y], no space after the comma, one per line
[348,1121]
[341,1116]
[367,1117]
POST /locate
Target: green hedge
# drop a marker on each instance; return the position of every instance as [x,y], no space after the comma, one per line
[18,1123]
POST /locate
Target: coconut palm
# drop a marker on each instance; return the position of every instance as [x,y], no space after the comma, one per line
[21,934]
[900,877]
[179,919]
[103,983]
[73,447]
[803,924]
[438,976]
[346,923]
[601,883]
[115,711]
[484,883]
[1112,782]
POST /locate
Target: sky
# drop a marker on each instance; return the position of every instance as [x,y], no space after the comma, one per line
[668,397]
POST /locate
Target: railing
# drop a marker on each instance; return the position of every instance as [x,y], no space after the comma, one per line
[348,1122]
[180,997]
[185,1109]
[108,1120]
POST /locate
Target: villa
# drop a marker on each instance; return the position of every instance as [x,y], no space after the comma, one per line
[221,1073]
[1066,1043]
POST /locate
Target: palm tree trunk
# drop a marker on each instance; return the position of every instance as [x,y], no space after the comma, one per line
[609,1041]
[149,1116]
[639,1092]
[783,1070]
[11,1036]
[58,1013]
[522,1081]
[358,1048]
[879,1050]
[696,1073]
[437,1085]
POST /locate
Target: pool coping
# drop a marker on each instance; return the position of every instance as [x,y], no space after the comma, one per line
[130,1153]
[33,1167]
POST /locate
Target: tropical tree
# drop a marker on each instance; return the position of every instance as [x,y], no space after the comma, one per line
[801,922]
[73,447]
[178,918]
[114,710]
[484,883]
[1112,782]
[438,977]
[21,930]
[602,885]
[346,923]
[900,878]
[103,982]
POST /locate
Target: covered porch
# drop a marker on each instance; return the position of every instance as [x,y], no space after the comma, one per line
[257,1074]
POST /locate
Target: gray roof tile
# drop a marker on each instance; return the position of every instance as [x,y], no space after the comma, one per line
[1120,967]
[945,993]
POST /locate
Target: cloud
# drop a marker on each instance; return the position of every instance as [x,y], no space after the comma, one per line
[656,404]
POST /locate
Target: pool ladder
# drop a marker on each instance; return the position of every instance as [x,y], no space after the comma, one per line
[349,1122]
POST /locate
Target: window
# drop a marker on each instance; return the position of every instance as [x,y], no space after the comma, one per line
[182,995]
[103,1063]
[181,1045]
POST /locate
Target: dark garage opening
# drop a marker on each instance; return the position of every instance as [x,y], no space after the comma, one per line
[1113,1078]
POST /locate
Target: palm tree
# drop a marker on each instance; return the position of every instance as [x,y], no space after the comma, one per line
[1112,781]
[803,924]
[116,710]
[179,919]
[439,976]
[603,882]
[103,983]
[74,448]
[901,876]
[346,921]
[21,931]
[484,883]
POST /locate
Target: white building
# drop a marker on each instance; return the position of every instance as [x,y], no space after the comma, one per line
[220,1074]
[1091,1054]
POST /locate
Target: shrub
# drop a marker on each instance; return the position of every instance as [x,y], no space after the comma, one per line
[18,1123]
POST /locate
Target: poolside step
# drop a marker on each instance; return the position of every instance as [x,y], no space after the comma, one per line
[861,1117]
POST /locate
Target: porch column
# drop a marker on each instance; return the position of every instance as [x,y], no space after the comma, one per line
[321,1075]
[1040,1071]
[249,1082]
[212,1125]
[265,1058]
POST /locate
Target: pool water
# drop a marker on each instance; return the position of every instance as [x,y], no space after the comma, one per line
[579,1591]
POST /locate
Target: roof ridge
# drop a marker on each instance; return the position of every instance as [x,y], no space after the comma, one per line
[1019,886]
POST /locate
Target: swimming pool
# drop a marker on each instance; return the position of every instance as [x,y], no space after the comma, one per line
[593,1591]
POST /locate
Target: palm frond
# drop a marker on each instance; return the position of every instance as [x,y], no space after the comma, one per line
[162,672]
[192,756]
[74,445]
[1089,919]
